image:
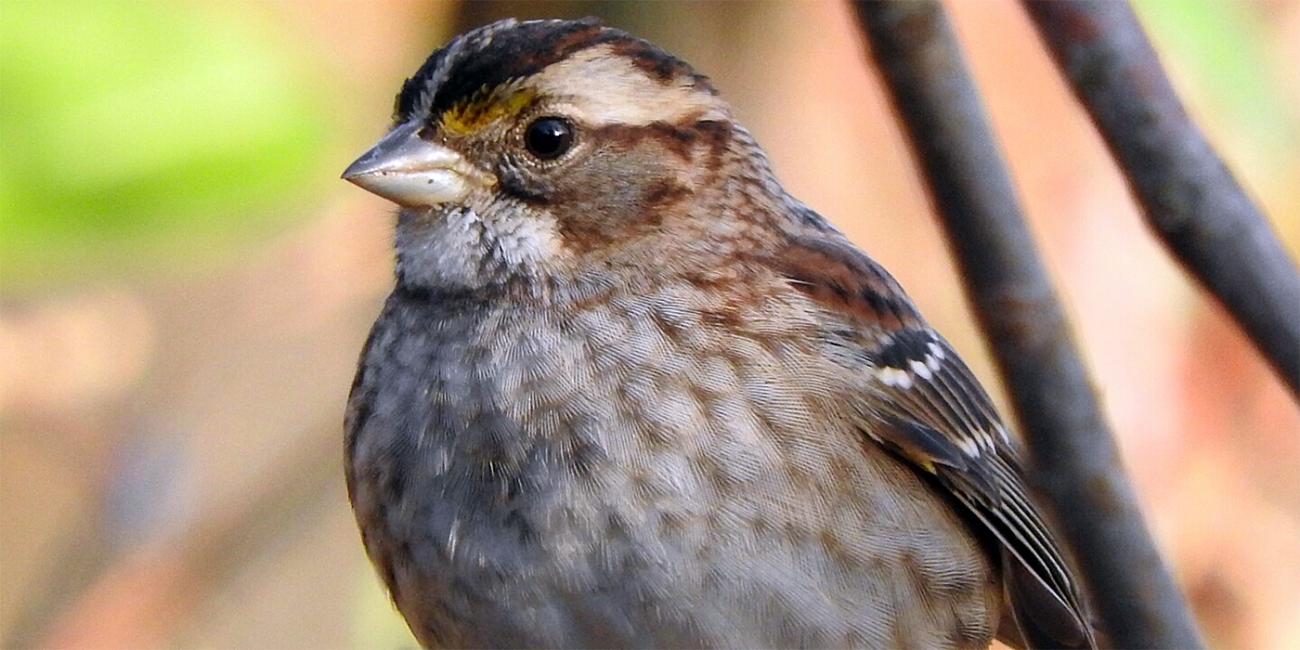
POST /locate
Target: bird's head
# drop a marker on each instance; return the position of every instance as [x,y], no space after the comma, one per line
[524,149]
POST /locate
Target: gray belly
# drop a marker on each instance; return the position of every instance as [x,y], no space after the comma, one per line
[624,479]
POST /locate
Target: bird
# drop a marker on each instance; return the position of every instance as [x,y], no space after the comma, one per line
[628,392]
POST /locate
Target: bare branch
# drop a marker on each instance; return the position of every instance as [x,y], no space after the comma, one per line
[1075,460]
[1188,196]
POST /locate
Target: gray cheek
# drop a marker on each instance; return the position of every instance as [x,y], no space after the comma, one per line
[618,181]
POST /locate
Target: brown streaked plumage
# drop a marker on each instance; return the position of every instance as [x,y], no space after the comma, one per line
[629,392]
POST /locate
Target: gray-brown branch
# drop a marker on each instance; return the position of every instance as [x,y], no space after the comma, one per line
[1074,459]
[1188,196]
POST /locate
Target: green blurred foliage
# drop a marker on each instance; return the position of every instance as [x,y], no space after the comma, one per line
[1219,44]
[145,135]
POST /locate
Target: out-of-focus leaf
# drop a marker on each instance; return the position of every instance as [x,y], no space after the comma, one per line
[1219,44]
[139,134]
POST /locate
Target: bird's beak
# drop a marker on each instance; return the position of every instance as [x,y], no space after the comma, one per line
[410,171]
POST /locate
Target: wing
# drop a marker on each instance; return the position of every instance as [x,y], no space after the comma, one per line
[926,405]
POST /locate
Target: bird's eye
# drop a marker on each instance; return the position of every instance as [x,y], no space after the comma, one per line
[549,137]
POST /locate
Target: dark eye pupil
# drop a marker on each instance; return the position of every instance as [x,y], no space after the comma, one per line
[548,137]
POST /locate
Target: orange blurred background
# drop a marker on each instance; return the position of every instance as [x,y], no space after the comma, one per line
[186,286]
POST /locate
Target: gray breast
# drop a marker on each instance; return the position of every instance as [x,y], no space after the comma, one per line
[634,473]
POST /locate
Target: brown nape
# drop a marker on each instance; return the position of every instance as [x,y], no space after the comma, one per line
[839,276]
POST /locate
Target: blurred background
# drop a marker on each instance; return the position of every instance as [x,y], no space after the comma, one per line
[185,285]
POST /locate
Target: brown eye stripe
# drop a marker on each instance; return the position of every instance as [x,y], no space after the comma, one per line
[679,139]
[659,64]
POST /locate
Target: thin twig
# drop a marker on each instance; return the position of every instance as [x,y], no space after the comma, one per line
[1188,196]
[1074,459]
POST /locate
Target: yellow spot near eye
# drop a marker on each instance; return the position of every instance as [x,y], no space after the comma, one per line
[474,115]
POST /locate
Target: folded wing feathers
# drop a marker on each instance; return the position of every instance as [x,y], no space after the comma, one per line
[945,403]
[926,404]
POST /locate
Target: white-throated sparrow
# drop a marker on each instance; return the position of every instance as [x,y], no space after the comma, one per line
[629,392]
